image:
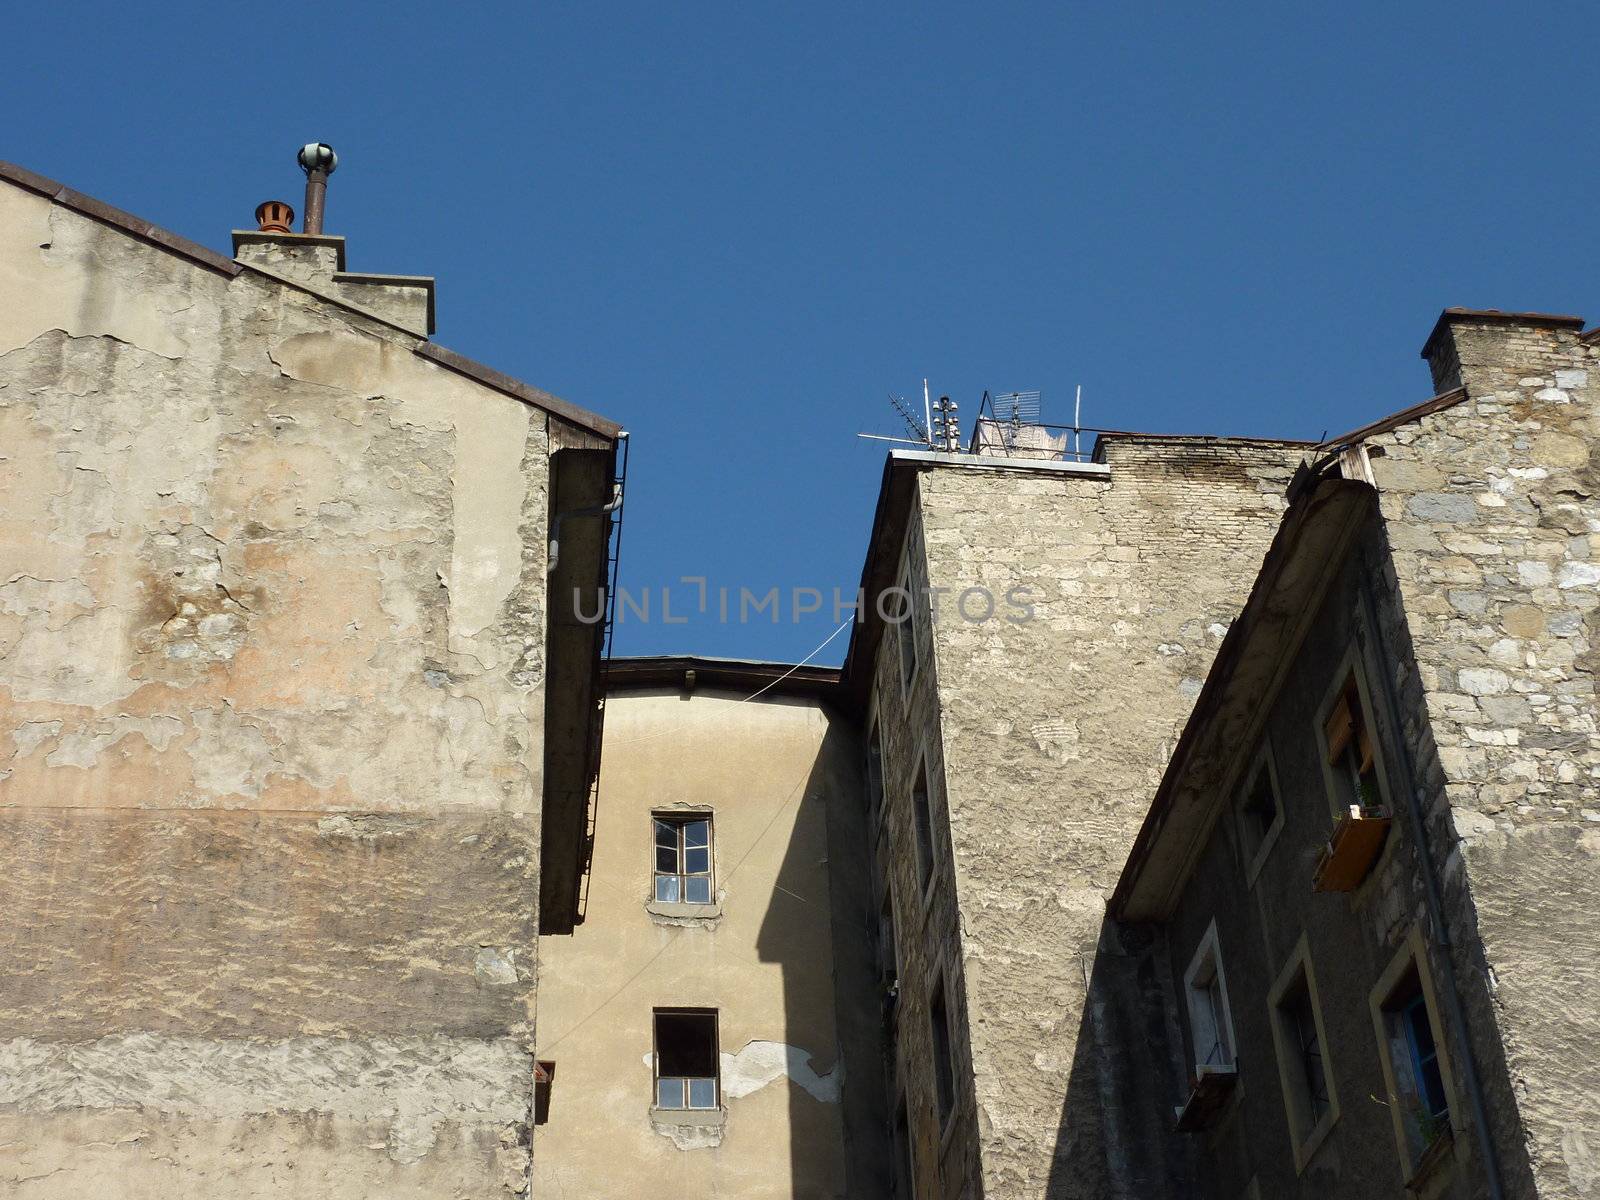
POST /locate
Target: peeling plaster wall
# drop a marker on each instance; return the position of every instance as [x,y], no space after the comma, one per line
[1050,737]
[271,650]
[779,775]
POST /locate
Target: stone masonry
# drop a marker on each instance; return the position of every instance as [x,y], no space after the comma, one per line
[1491,517]
[1051,736]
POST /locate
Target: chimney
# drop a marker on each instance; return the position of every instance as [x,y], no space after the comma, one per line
[315,260]
[274,216]
[318,161]
[1486,351]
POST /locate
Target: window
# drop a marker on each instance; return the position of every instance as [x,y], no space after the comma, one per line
[686,1059]
[888,952]
[906,630]
[1301,1044]
[683,859]
[1210,1021]
[922,816]
[1305,1048]
[544,1077]
[943,1069]
[1347,736]
[1260,813]
[874,781]
[907,634]
[1415,1059]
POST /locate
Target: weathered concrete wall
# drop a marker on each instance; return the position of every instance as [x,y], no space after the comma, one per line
[775,960]
[1491,514]
[271,638]
[1052,735]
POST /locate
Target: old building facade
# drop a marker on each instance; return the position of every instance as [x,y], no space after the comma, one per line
[1193,817]
[705,1023]
[286,723]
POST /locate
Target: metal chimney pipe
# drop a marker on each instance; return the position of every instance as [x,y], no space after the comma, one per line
[318,161]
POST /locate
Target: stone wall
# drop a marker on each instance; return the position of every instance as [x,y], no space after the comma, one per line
[271,640]
[1050,736]
[1491,515]
[940,1157]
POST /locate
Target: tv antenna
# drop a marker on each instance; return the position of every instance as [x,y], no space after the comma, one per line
[921,429]
[918,430]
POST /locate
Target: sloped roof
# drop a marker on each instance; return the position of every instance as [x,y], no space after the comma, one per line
[138,227]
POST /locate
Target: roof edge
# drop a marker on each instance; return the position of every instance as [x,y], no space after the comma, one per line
[527,393]
[1394,420]
[106,214]
[1496,316]
[147,231]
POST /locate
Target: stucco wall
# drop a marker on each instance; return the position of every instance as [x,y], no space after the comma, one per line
[271,641]
[782,778]
[1054,734]
[1491,513]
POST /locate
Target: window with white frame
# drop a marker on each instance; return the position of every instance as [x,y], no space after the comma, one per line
[1210,1020]
[683,858]
[686,1070]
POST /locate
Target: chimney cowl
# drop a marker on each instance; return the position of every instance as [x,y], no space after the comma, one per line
[274,216]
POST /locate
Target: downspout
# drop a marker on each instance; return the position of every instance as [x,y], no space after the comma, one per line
[597,510]
[1430,879]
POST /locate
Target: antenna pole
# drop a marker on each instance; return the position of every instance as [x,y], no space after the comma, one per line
[927,412]
[1077,410]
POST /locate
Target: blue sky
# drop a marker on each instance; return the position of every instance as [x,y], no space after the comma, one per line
[736,227]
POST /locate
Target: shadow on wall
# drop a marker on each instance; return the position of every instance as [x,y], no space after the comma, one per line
[817,930]
[1115,1139]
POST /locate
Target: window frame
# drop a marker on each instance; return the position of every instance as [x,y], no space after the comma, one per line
[944,1081]
[1264,761]
[922,828]
[655,1060]
[1208,953]
[876,795]
[1306,1137]
[1411,958]
[909,651]
[681,819]
[1352,664]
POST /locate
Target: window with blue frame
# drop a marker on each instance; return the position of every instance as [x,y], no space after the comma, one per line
[1424,1057]
[683,859]
[1421,1096]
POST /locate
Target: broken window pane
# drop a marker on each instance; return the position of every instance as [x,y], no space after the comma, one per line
[686,1059]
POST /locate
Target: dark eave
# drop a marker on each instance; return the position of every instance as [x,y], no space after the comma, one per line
[692,672]
[1310,544]
[147,231]
[877,573]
